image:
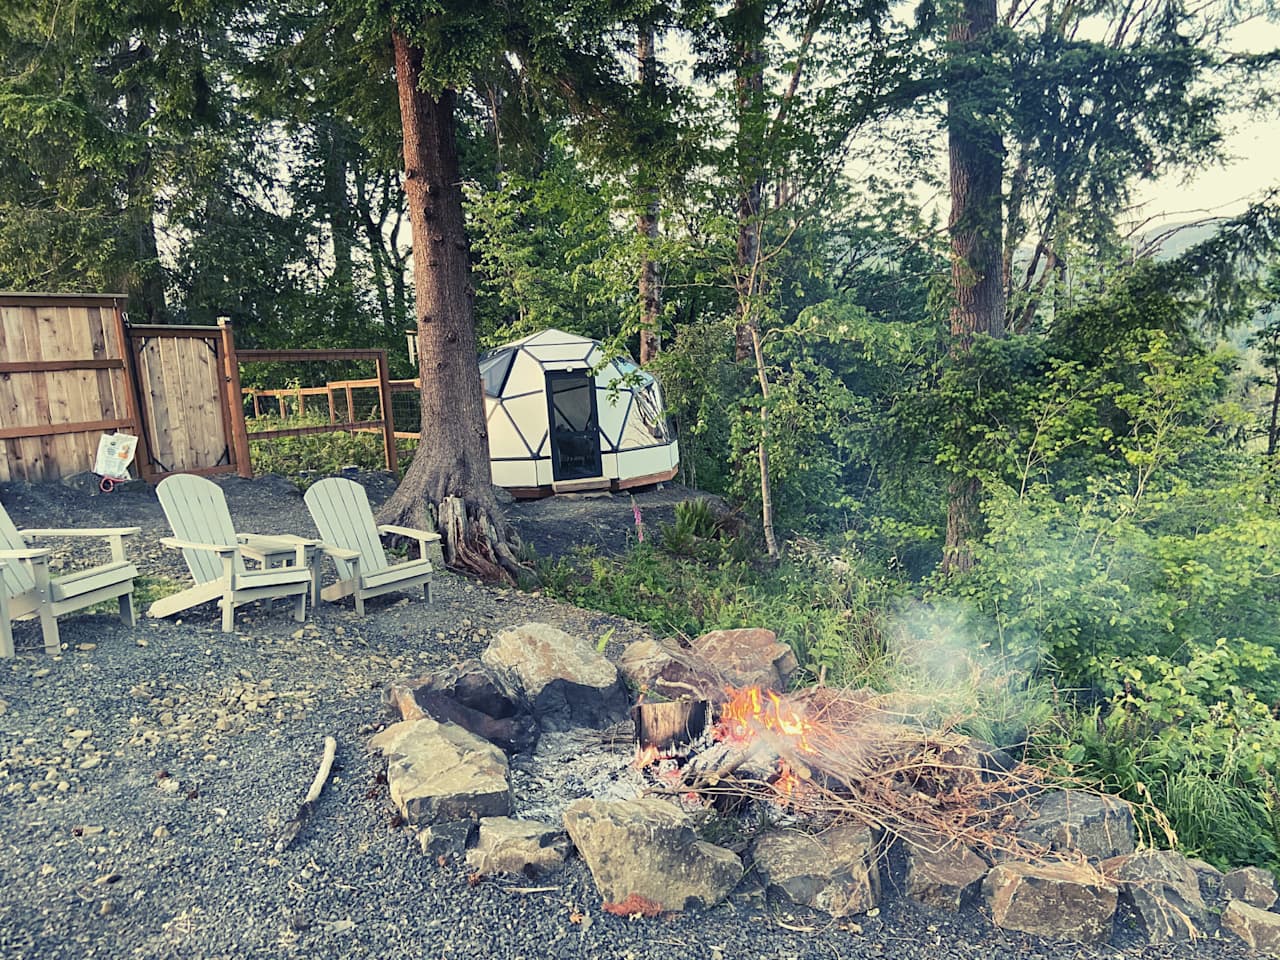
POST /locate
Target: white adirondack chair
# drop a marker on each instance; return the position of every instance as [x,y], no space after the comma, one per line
[341,511]
[28,590]
[197,511]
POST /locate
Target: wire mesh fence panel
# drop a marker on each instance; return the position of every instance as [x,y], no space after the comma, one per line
[316,416]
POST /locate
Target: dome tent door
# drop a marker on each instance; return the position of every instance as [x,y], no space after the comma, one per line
[575,427]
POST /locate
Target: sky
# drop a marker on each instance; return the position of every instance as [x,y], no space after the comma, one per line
[1253,167]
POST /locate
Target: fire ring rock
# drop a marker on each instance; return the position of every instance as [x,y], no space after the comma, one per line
[1097,826]
[940,876]
[1259,928]
[1253,885]
[1163,891]
[565,681]
[438,771]
[527,847]
[836,871]
[645,849]
[1070,901]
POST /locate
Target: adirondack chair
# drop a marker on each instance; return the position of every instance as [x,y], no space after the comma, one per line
[348,534]
[197,511]
[28,590]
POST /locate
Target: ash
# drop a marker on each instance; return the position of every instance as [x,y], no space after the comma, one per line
[569,765]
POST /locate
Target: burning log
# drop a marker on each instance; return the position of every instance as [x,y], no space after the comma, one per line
[666,726]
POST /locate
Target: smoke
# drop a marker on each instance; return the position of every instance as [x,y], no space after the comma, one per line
[950,669]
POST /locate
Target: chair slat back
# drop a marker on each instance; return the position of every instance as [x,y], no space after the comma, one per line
[341,511]
[16,576]
[197,511]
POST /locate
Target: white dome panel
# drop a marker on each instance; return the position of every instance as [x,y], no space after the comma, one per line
[526,376]
[613,414]
[552,335]
[504,439]
[560,352]
[530,416]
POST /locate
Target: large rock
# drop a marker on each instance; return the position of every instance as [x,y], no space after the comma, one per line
[438,772]
[746,657]
[645,850]
[448,839]
[1062,900]
[564,680]
[1163,891]
[643,661]
[528,847]
[1259,928]
[1253,885]
[836,871]
[470,697]
[1099,827]
[940,877]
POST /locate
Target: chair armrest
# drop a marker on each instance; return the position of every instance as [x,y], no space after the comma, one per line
[178,544]
[81,532]
[285,541]
[338,553]
[30,554]
[420,535]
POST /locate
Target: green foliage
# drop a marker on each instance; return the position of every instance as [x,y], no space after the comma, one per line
[318,453]
[1192,738]
[831,616]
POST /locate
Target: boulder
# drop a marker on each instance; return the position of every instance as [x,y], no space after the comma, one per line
[642,662]
[1253,885]
[940,877]
[1259,928]
[448,839]
[647,851]
[1163,892]
[836,871]
[439,772]
[562,679]
[747,657]
[468,696]
[1100,827]
[1068,901]
[528,847]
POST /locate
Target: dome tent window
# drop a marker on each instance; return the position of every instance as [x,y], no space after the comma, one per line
[562,418]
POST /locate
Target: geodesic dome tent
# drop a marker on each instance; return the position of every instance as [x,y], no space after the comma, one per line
[558,424]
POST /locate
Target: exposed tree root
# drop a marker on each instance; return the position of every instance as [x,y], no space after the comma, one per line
[474,537]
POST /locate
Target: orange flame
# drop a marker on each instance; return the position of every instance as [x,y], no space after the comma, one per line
[748,711]
[787,783]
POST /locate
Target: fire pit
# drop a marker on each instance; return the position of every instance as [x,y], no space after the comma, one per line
[812,786]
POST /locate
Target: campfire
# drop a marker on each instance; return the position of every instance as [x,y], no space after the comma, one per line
[510,759]
[824,755]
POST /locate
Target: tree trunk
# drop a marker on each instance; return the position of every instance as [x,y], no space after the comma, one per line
[749,92]
[449,485]
[1273,427]
[338,208]
[976,149]
[147,289]
[647,219]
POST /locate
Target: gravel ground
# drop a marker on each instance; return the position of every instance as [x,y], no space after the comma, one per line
[144,774]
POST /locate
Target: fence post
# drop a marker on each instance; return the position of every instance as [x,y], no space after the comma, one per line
[388,424]
[235,399]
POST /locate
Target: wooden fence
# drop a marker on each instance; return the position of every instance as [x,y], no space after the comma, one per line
[384,424]
[73,368]
[64,381]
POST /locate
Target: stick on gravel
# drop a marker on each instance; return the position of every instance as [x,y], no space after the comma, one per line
[291,828]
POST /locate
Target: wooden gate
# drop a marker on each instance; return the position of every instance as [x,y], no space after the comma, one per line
[64,381]
[72,369]
[183,388]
